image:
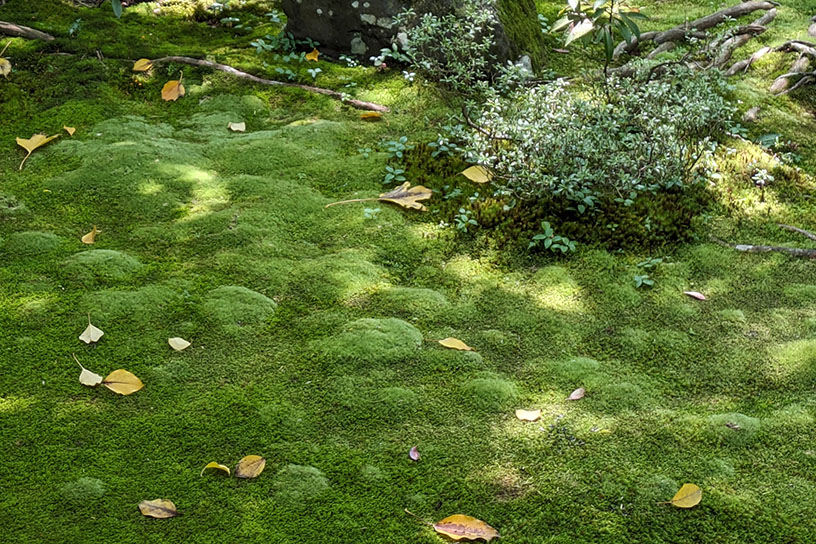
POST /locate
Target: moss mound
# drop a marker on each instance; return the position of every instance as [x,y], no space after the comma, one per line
[733,428]
[99,267]
[395,403]
[576,369]
[411,301]
[490,394]
[143,305]
[376,340]
[234,307]
[83,490]
[296,484]
[10,205]
[31,243]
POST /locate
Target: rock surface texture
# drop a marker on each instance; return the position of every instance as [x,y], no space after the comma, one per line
[363,27]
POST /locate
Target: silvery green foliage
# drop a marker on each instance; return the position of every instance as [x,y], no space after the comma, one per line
[550,141]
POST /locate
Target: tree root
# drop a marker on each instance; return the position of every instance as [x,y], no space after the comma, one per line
[359,104]
[803,253]
[800,67]
[19,31]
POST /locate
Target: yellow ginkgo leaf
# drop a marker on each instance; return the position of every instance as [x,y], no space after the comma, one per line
[178,344]
[37,140]
[455,343]
[313,55]
[173,89]
[158,508]
[69,130]
[91,334]
[216,465]
[250,466]
[5,67]
[461,527]
[688,496]
[478,174]
[122,382]
[86,377]
[237,127]
[528,415]
[90,238]
[371,116]
[142,65]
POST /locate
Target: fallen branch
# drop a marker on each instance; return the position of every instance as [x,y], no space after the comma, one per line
[743,65]
[792,251]
[740,37]
[803,232]
[680,32]
[359,104]
[19,31]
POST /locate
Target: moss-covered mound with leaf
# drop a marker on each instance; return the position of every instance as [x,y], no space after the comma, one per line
[314,331]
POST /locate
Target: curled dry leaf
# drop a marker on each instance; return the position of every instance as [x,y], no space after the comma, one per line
[5,67]
[178,344]
[528,415]
[371,116]
[90,238]
[142,65]
[313,55]
[36,141]
[404,195]
[237,127]
[688,496]
[216,465]
[578,394]
[91,334]
[455,343]
[695,294]
[86,377]
[461,527]
[250,466]
[172,90]
[158,508]
[413,453]
[69,130]
[122,382]
[478,174]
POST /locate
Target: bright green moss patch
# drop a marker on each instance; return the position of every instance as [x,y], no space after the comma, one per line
[733,429]
[411,301]
[295,485]
[139,306]
[490,394]
[22,244]
[83,490]
[235,307]
[375,340]
[97,267]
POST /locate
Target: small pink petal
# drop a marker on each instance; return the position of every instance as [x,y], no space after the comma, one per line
[695,294]
[577,394]
[414,454]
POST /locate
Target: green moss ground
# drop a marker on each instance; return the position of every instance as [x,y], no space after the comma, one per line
[314,329]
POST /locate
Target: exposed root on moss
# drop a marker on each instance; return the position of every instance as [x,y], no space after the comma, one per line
[803,253]
[19,31]
[358,104]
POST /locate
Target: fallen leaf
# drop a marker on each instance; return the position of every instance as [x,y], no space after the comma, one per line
[216,465]
[90,238]
[528,415]
[142,65]
[91,334]
[36,141]
[173,89]
[69,130]
[313,55]
[695,294]
[237,127]
[158,508]
[402,195]
[371,116]
[122,382]
[688,496]
[408,198]
[5,67]
[455,343]
[250,466]
[86,377]
[578,394]
[478,174]
[461,527]
[178,344]
[413,453]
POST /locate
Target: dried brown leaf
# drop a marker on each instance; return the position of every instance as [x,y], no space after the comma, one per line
[407,196]
[142,65]
[413,453]
[91,334]
[123,382]
[695,294]
[578,394]
[455,343]
[35,142]
[219,466]
[172,90]
[461,527]
[528,415]
[237,127]
[158,508]
[69,130]
[178,344]
[86,377]
[90,238]
[250,466]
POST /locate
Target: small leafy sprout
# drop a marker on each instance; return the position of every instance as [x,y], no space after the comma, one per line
[313,72]
[73,30]
[273,16]
[364,151]
[290,75]
[463,220]
[552,241]
[397,148]
[393,174]
[371,213]
[350,62]
[408,76]
[643,280]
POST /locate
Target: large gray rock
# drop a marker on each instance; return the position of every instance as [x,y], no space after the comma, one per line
[363,27]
